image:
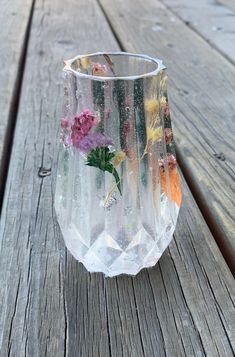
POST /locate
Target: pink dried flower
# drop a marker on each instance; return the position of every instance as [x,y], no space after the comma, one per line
[82,124]
[168,135]
[171,161]
[166,110]
[65,139]
[128,101]
[99,69]
[62,137]
[126,127]
[64,123]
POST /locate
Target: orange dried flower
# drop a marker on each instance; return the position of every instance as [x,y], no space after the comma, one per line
[174,185]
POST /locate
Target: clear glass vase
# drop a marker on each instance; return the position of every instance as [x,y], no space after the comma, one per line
[118,191]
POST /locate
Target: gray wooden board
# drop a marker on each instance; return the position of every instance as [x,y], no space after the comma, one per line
[229,3]
[212,20]
[49,304]
[14,17]
[202,99]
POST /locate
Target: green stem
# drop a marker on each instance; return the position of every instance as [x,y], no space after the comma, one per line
[110,168]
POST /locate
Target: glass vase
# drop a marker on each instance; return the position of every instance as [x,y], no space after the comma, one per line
[118,191]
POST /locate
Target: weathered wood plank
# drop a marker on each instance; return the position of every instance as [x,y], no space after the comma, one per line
[49,304]
[229,3]
[202,98]
[14,19]
[210,19]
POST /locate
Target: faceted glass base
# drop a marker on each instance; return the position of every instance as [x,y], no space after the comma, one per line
[107,257]
[118,239]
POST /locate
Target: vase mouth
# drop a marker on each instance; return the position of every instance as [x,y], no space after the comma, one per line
[108,66]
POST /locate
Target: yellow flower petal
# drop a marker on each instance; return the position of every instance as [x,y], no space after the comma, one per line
[119,157]
[154,134]
[149,133]
[151,105]
[157,134]
[85,61]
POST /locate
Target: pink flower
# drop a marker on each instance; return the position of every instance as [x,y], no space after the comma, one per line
[126,127]
[65,139]
[166,110]
[82,124]
[64,123]
[128,101]
[168,135]
[171,161]
[99,69]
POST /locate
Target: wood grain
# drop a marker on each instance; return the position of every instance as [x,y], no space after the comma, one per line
[202,99]
[49,304]
[210,19]
[14,20]
[229,3]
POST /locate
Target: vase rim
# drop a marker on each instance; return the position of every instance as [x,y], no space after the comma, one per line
[159,66]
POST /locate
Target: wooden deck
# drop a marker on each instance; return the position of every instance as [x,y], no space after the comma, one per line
[49,305]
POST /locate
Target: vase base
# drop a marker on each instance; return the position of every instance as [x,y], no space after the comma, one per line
[110,259]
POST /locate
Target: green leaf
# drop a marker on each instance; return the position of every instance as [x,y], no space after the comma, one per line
[100,158]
